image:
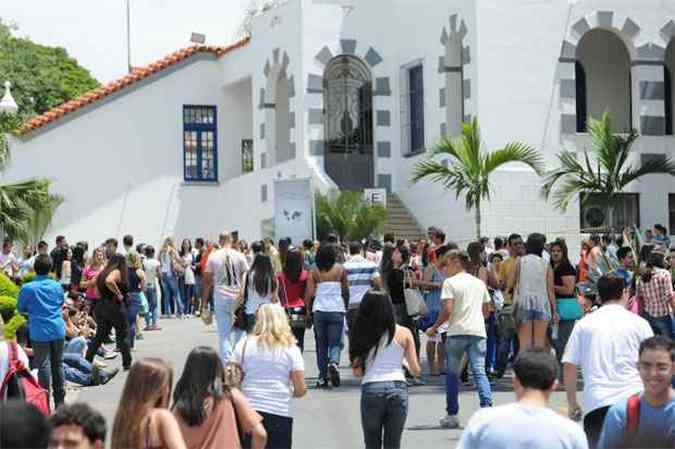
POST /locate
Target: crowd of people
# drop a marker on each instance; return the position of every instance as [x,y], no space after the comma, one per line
[510,303]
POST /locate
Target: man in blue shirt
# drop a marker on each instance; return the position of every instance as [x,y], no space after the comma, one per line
[42,300]
[653,425]
[627,261]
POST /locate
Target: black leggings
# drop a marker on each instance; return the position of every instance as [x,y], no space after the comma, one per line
[111,314]
[593,425]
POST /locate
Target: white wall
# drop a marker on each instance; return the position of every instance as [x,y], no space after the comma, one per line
[237,112]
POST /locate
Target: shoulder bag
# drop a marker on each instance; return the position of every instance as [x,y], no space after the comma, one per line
[414,302]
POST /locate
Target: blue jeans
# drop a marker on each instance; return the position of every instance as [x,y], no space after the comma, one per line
[171,302]
[77,369]
[475,348]
[662,325]
[491,356]
[151,295]
[133,306]
[504,349]
[224,308]
[48,359]
[384,409]
[186,295]
[328,329]
[75,346]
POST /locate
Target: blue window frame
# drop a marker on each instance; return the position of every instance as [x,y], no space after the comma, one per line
[416,92]
[200,143]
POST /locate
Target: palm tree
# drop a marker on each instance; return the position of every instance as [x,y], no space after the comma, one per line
[470,166]
[26,207]
[349,216]
[603,170]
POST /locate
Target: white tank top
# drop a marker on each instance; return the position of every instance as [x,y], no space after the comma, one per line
[387,366]
[329,297]
[532,282]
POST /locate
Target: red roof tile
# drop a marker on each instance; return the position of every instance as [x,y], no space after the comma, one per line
[137,74]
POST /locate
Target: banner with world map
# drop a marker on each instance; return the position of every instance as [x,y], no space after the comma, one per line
[293,210]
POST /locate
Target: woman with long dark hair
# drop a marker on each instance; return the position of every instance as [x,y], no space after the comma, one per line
[327,297]
[378,349]
[208,407]
[136,283]
[111,310]
[186,279]
[143,419]
[398,276]
[292,286]
[564,283]
[260,287]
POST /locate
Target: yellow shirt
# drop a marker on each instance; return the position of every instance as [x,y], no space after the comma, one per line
[506,270]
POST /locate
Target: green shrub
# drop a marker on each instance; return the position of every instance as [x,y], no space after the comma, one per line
[7,287]
[13,325]
[7,307]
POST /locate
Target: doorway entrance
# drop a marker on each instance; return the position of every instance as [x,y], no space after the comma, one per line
[349,123]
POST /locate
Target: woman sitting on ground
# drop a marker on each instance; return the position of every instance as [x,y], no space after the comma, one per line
[143,420]
[208,408]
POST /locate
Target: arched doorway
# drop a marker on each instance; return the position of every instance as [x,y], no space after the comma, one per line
[349,123]
[604,61]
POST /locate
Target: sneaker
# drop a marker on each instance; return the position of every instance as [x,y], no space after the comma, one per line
[334,374]
[109,355]
[99,364]
[417,382]
[95,375]
[139,337]
[107,376]
[449,422]
[322,384]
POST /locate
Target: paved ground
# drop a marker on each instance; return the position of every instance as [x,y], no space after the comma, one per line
[323,419]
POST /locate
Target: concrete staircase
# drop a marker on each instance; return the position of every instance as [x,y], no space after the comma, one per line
[401,222]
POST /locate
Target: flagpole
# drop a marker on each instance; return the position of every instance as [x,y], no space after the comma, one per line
[129,35]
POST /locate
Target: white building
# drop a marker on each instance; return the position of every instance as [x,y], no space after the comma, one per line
[349,93]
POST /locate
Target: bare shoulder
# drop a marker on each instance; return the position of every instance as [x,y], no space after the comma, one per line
[403,335]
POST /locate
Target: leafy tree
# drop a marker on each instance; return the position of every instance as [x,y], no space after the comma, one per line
[470,166]
[603,170]
[42,77]
[349,216]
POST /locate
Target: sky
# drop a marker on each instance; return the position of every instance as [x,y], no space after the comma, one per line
[94,31]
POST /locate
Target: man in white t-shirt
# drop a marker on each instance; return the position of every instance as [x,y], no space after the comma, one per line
[224,272]
[9,264]
[528,422]
[465,305]
[362,274]
[605,344]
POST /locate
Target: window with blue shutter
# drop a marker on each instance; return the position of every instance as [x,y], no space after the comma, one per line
[416,95]
[200,143]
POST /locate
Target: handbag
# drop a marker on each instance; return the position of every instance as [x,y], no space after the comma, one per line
[414,302]
[145,307]
[297,316]
[506,323]
[240,318]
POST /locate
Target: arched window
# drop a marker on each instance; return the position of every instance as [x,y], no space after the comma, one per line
[282,120]
[349,123]
[582,108]
[455,84]
[606,62]
[669,86]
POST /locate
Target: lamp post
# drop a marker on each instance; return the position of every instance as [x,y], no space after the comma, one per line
[7,104]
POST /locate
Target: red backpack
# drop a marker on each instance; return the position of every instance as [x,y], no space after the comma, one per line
[632,417]
[19,383]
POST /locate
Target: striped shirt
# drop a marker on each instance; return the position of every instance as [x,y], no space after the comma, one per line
[360,276]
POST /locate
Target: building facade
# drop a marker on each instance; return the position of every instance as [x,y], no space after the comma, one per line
[350,93]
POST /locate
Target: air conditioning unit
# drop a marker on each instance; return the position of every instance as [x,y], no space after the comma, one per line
[594,214]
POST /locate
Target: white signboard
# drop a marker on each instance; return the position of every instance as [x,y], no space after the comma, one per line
[293,209]
[376,196]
